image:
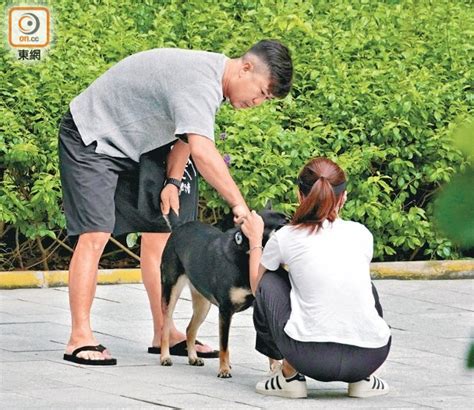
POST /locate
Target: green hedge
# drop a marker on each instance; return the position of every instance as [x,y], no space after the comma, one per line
[378,87]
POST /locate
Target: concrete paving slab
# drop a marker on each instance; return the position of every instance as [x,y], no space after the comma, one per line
[459,324]
[27,401]
[87,398]
[23,382]
[424,343]
[33,355]
[30,307]
[443,403]
[30,336]
[432,327]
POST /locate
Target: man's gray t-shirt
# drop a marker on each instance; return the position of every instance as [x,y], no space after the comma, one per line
[147,99]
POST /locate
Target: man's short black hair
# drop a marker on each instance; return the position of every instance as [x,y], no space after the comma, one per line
[277,58]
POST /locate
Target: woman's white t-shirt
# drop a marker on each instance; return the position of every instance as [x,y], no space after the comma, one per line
[331,293]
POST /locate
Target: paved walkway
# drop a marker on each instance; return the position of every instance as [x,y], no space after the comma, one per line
[432,323]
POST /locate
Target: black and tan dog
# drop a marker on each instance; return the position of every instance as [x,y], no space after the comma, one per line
[216,265]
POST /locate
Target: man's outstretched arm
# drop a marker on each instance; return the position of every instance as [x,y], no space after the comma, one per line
[214,170]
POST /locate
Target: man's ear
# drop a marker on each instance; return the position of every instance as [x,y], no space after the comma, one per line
[246,68]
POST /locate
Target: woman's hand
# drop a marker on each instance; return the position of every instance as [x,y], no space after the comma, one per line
[252,228]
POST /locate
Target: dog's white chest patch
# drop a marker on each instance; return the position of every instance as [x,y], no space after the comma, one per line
[239,295]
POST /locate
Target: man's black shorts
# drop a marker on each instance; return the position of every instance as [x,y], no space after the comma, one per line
[117,195]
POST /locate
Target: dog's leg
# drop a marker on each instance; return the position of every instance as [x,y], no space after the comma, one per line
[170,298]
[201,308]
[225,317]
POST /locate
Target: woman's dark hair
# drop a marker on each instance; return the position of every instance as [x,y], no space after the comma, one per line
[321,184]
[277,59]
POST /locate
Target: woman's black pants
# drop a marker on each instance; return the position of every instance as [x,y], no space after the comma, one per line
[324,361]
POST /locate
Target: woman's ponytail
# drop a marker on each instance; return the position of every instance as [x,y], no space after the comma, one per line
[321,184]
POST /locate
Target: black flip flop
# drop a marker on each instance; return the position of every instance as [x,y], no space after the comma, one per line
[91,362]
[180,349]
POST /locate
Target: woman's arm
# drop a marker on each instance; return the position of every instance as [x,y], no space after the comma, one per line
[252,227]
[256,273]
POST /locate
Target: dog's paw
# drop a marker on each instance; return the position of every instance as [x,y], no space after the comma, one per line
[166,361]
[224,374]
[196,361]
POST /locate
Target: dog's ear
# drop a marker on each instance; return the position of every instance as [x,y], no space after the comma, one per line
[226,223]
[268,206]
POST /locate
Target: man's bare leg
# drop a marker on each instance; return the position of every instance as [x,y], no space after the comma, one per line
[151,250]
[82,286]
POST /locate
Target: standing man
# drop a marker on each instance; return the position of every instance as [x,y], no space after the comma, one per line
[124,148]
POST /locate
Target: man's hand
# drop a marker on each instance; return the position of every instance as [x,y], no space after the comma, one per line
[240,212]
[169,199]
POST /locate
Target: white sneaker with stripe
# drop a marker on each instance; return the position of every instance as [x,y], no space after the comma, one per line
[372,386]
[277,385]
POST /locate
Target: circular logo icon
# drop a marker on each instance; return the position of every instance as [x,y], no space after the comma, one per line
[28,23]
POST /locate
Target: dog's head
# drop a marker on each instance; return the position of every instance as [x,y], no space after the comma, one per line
[272,221]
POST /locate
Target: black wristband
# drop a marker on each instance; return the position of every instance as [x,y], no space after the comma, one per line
[173,181]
